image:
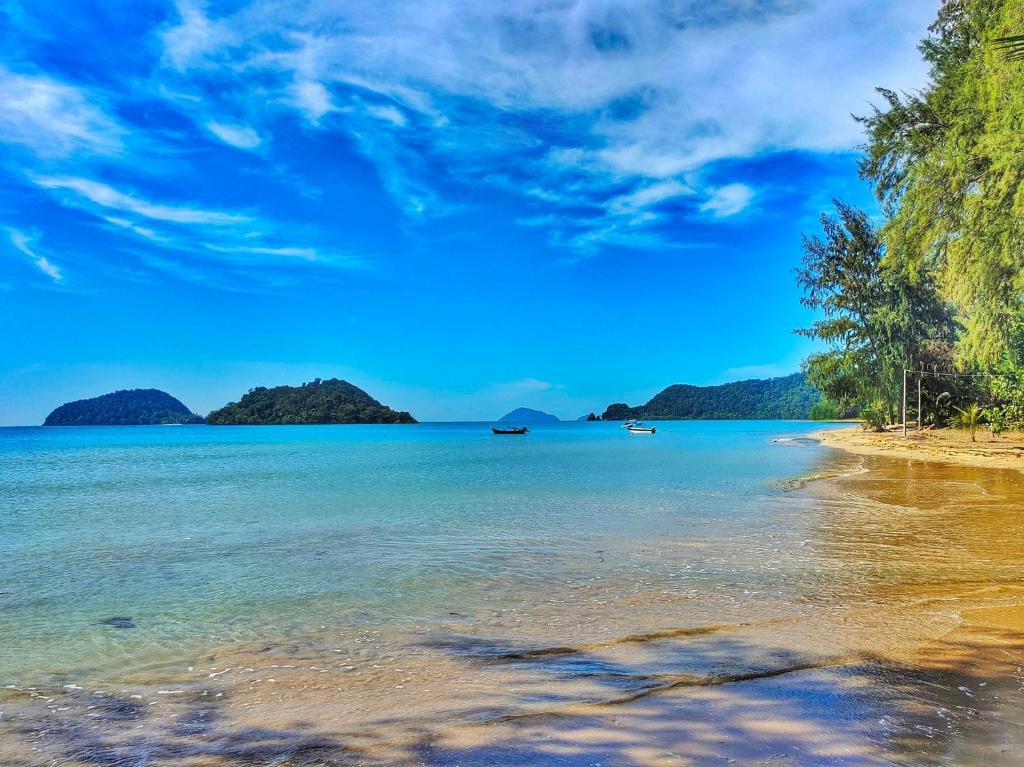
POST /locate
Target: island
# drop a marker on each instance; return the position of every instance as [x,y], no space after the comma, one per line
[317,402]
[530,415]
[127,407]
[786,397]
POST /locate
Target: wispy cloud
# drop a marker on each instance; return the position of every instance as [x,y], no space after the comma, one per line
[646,196]
[647,92]
[54,119]
[195,35]
[606,122]
[728,200]
[238,136]
[27,245]
[190,232]
[108,197]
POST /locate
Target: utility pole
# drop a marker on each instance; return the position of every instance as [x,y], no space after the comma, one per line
[919,419]
[904,402]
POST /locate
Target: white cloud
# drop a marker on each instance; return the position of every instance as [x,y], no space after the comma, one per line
[143,231]
[651,194]
[652,93]
[239,136]
[195,35]
[388,113]
[108,197]
[53,119]
[728,200]
[312,99]
[195,238]
[306,254]
[27,245]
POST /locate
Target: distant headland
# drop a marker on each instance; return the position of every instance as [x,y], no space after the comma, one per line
[526,414]
[788,397]
[128,407]
[316,402]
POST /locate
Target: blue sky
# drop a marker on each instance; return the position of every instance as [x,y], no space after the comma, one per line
[463,207]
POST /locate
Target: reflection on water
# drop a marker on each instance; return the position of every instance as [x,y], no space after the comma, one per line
[570,618]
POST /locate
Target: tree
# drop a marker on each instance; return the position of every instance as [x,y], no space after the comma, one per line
[947,163]
[877,319]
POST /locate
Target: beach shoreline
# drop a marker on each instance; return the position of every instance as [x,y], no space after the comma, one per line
[947,446]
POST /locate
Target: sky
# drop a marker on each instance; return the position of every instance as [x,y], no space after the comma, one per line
[461,206]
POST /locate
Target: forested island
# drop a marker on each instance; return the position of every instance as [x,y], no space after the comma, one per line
[128,407]
[771,398]
[528,414]
[316,402]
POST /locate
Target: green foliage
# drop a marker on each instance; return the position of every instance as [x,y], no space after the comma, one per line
[1006,413]
[330,401]
[824,410]
[999,421]
[875,417]
[786,397]
[129,407]
[948,165]
[970,419]
[877,319]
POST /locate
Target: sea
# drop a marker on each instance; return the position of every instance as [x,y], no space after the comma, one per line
[165,588]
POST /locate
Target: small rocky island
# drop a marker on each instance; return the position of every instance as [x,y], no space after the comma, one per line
[526,414]
[129,407]
[316,402]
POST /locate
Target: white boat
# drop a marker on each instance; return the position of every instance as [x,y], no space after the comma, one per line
[640,429]
[631,422]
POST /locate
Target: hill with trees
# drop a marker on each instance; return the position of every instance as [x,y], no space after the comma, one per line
[771,398]
[316,402]
[128,407]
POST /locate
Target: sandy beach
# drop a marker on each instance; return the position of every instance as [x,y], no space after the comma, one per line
[939,446]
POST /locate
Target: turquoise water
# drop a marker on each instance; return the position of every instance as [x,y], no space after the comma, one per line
[192,537]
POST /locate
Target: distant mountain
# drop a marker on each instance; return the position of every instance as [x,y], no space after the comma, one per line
[770,398]
[522,414]
[129,407]
[330,401]
[589,417]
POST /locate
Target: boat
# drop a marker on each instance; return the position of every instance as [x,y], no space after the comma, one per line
[640,429]
[510,430]
[631,422]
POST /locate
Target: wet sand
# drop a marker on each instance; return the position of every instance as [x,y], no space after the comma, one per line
[904,645]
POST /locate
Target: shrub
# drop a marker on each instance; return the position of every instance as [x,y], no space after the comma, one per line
[875,417]
[970,419]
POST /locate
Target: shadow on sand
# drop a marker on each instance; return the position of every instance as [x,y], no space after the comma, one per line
[957,703]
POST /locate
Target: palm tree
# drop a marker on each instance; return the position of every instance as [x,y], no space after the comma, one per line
[970,420]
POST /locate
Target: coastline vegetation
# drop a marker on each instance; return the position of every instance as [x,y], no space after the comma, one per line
[937,289]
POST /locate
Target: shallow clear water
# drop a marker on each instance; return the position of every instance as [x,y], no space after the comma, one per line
[191,537]
[436,595]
